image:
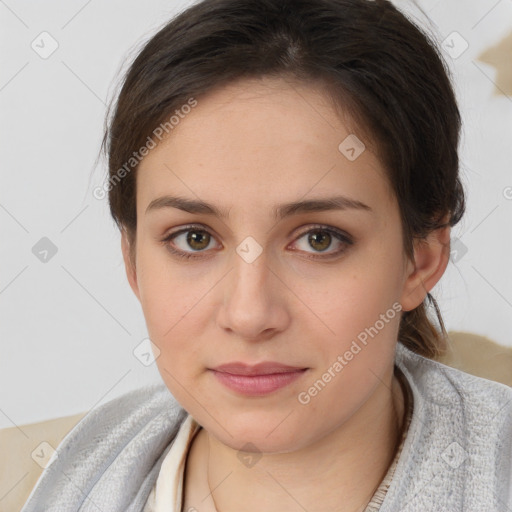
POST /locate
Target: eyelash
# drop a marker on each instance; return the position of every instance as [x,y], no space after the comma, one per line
[340,235]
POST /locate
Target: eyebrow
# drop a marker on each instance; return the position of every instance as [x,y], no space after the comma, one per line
[279,211]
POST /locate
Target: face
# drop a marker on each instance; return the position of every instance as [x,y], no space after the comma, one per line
[241,279]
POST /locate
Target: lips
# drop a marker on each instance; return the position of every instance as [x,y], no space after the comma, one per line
[257,380]
[257,369]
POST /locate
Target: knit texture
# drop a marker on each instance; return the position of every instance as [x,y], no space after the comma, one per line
[456,457]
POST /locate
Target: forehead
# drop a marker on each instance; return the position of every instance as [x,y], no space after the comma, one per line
[262,138]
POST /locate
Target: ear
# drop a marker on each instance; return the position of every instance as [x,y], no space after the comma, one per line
[431,257]
[129,263]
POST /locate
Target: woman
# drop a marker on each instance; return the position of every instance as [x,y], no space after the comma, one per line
[285,177]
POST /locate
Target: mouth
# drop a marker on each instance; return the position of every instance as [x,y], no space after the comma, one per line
[257,380]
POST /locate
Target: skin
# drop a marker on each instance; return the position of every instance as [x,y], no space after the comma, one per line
[246,148]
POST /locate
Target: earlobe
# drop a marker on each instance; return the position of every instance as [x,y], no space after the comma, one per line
[431,257]
[129,263]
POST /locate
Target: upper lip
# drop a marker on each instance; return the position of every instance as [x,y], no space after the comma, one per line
[265,368]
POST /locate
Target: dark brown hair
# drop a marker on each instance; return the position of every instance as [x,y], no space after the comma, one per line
[376,63]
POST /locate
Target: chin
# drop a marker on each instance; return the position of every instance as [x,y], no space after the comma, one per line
[260,432]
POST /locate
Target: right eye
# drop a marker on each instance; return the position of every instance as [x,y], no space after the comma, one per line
[191,237]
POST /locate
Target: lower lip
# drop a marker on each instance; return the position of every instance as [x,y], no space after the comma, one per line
[257,385]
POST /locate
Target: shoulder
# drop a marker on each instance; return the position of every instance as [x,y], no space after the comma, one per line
[458,403]
[457,454]
[446,386]
[112,454]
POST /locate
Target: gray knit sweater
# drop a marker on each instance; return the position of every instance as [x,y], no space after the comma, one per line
[457,456]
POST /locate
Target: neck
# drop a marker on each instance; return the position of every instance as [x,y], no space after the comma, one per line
[344,467]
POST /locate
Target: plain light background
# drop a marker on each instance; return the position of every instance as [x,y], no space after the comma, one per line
[70,325]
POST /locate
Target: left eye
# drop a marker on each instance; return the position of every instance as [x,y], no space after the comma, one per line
[321,238]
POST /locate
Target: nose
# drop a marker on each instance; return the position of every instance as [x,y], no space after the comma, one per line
[253,299]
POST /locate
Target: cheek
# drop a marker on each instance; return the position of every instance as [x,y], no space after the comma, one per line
[167,293]
[177,303]
[364,316]
[356,297]
[172,308]
[361,309]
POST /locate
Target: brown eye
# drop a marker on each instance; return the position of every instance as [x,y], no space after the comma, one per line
[198,240]
[188,241]
[319,240]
